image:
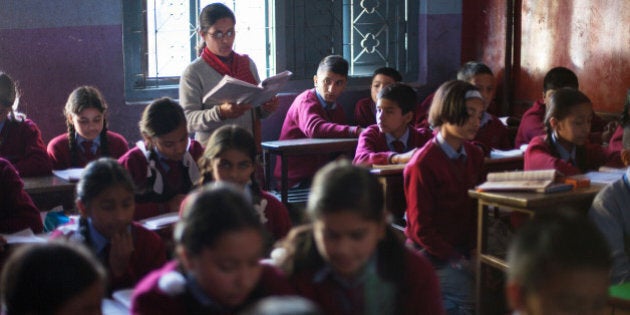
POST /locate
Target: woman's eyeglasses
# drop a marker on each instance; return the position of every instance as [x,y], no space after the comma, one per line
[221,35]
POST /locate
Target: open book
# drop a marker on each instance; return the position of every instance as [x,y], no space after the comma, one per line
[233,90]
[70,174]
[532,181]
[160,221]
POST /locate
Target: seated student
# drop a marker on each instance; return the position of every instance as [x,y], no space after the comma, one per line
[616,142]
[52,278]
[20,139]
[106,203]
[393,140]
[532,122]
[230,156]
[559,264]
[219,244]
[164,165]
[315,114]
[365,108]
[611,214]
[17,211]
[440,215]
[492,134]
[566,147]
[87,138]
[349,260]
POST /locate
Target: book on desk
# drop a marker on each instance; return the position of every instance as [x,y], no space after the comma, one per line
[542,181]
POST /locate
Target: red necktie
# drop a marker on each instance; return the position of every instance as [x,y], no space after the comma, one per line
[398,146]
[87,150]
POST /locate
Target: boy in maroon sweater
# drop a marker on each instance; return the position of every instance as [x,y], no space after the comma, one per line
[392,140]
[315,114]
[365,109]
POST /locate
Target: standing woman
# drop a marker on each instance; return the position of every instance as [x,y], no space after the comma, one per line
[216,59]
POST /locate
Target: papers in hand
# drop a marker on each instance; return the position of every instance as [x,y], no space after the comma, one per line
[160,221]
[70,174]
[500,154]
[236,91]
[532,181]
[23,236]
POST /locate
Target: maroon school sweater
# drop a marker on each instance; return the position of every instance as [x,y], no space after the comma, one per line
[21,143]
[17,211]
[365,112]
[494,134]
[59,150]
[441,217]
[373,149]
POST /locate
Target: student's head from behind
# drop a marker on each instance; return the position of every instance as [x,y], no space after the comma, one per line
[52,278]
[557,78]
[85,112]
[8,95]
[559,264]
[349,220]
[219,241]
[163,128]
[105,194]
[479,75]
[216,28]
[395,108]
[331,77]
[381,78]
[230,156]
[457,109]
[569,115]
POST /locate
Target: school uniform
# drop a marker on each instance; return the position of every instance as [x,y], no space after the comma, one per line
[493,133]
[21,143]
[61,157]
[369,293]
[376,147]
[422,112]
[149,252]
[170,291]
[615,144]
[541,155]
[17,211]
[311,117]
[158,179]
[365,112]
[441,217]
[274,215]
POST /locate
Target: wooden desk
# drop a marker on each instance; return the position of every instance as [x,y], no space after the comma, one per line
[529,203]
[391,177]
[294,147]
[50,191]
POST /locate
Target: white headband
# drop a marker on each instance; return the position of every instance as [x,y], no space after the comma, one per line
[473,94]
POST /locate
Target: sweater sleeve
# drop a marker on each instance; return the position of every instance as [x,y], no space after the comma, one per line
[35,161]
[368,149]
[191,92]
[314,125]
[538,157]
[17,211]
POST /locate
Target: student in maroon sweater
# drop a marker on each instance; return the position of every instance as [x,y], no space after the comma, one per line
[105,200]
[393,140]
[164,165]
[20,140]
[315,114]
[230,156]
[349,260]
[566,147]
[532,122]
[440,215]
[17,211]
[87,138]
[219,245]
[365,108]
[616,141]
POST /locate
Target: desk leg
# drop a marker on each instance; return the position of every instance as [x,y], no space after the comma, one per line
[482,222]
[284,190]
[268,175]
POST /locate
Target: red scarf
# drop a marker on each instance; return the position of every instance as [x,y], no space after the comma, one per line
[239,67]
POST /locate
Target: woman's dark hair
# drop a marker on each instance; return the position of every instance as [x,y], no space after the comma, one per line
[9,95]
[402,94]
[225,138]
[335,64]
[387,71]
[471,69]
[449,103]
[41,278]
[99,175]
[556,241]
[210,213]
[162,116]
[81,98]
[210,15]
[341,187]
[560,77]
[625,117]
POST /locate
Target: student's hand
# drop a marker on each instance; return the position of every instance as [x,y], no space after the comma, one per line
[402,158]
[175,202]
[121,248]
[231,110]
[625,157]
[271,105]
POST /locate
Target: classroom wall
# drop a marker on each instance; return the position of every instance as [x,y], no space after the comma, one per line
[51,47]
[590,37]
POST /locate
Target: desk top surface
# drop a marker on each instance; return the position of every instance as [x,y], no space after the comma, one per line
[43,184]
[322,145]
[531,200]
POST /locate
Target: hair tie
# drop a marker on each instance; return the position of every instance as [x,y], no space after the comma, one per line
[473,94]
